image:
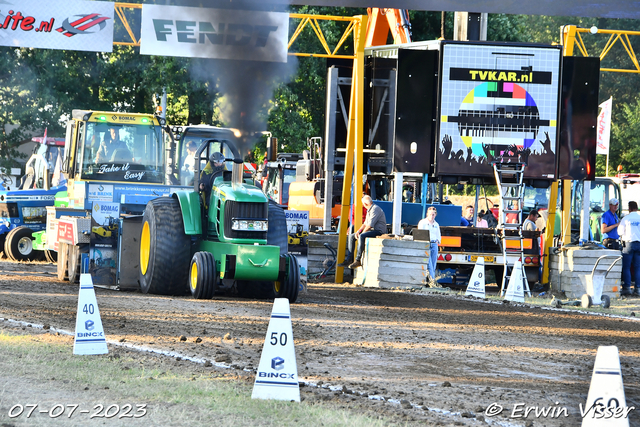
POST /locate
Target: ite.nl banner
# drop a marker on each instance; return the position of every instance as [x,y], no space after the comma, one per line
[66,25]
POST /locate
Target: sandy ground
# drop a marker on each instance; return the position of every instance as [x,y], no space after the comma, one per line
[420,357]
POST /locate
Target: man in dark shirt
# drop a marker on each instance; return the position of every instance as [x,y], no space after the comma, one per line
[110,145]
[467,217]
[375,224]
[214,166]
[609,228]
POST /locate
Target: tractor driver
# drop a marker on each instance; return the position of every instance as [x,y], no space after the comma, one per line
[112,148]
[214,166]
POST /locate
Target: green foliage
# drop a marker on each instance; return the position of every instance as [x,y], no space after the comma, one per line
[293,121]
[427,25]
[39,88]
[626,134]
[508,28]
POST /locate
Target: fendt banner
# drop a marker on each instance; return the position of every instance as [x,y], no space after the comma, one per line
[68,25]
[214,33]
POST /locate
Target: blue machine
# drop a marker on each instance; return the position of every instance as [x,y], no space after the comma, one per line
[23,212]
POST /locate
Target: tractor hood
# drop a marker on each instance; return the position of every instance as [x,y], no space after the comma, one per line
[240,192]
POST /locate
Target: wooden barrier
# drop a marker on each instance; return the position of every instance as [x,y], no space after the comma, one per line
[390,263]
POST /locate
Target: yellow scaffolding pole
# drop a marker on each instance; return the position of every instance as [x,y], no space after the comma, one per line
[353,160]
[548,235]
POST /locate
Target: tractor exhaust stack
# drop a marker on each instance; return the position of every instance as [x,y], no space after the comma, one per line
[237,172]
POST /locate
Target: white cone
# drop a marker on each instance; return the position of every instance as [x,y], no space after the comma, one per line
[476,281]
[277,376]
[89,337]
[515,289]
[606,404]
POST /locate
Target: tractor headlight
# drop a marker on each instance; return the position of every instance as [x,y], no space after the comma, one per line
[249,225]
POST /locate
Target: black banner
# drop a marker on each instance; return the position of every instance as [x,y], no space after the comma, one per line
[482,75]
[599,9]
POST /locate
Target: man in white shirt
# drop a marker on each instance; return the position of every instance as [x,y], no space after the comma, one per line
[530,223]
[629,231]
[429,223]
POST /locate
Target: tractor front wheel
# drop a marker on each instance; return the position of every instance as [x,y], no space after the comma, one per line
[164,249]
[290,285]
[63,254]
[73,263]
[202,275]
[51,256]
[19,245]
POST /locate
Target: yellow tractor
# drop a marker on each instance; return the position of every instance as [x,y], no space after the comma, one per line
[299,237]
[106,230]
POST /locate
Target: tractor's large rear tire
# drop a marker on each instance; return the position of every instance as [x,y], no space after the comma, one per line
[51,256]
[203,277]
[290,286]
[19,245]
[73,263]
[3,238]
[63,254]
[277,231]
[164,249]
[5,248]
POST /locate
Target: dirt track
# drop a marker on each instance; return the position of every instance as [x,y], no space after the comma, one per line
[428,353]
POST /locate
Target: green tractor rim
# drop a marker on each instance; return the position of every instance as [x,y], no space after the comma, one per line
[194,276]
[277,286]
[145,247]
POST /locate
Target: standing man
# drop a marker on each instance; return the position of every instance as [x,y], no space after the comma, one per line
[375,224]
[530,223]
[468,217]
[629,231]
[429,223]
[609,228]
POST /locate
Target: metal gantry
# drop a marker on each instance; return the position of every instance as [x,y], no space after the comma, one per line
[317,25]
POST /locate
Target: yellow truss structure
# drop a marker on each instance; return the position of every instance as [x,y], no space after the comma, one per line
[122,12]
[305,23]
[572,39]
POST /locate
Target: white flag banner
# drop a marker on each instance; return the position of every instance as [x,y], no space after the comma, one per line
[214,33]
[68,25]
[58,177]
[604,127]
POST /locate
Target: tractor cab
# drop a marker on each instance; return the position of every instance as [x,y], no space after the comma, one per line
[182,156]
[232,210]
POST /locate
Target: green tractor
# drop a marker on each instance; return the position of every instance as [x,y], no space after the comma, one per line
[224,234]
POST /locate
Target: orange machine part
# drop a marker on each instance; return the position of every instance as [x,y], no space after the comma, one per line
[302,198]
